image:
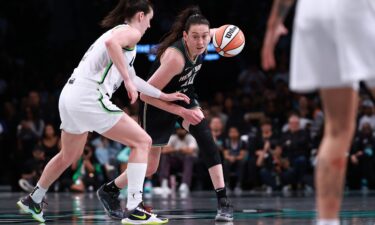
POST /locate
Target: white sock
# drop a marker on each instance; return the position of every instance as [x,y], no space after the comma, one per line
[136,177]
[328,222]
[38,194]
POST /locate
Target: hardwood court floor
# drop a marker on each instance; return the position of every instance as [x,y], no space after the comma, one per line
[198,209]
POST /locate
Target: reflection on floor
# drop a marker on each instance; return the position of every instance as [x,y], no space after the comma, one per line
[198,208]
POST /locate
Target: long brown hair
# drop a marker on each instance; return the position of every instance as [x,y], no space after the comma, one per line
[189,16]
[125,10]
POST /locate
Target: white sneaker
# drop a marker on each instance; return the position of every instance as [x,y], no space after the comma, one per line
[184,189]
[161,191]
[140,215]
[237,191]
[269,190]
[286,189]
[25,185]
[166,190]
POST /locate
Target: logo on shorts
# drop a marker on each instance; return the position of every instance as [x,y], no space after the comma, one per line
[131,62]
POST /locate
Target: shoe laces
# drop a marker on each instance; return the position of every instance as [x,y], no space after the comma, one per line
[114,198]
[146,209]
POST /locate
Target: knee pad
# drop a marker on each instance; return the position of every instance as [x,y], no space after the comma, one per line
[207,147]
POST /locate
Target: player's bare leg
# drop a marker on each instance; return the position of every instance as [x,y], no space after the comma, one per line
[340,108]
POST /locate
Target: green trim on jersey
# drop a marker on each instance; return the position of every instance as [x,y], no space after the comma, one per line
[108,67]
[159,145]
[105,107]
[128,49]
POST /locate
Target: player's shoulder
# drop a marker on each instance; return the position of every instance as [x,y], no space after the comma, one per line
[173,55]
[128,31]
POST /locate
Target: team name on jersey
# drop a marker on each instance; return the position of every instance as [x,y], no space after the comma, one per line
[187,76]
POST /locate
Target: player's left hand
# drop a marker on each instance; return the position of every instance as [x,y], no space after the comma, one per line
[177,96]
[270,40]
[132,91]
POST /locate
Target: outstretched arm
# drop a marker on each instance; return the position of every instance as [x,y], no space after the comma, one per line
[149,90]
[171,64]
[275,29]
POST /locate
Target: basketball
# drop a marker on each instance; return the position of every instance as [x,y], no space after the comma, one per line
[228,40]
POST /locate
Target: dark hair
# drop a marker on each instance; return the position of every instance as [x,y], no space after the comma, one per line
[124,10]
[293,113]
[189,16]
[265,121]
[53,128]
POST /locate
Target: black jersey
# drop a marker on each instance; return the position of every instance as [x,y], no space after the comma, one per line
[184,81]
[160,124]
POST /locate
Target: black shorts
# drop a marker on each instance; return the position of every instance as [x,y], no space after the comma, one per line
[160,124]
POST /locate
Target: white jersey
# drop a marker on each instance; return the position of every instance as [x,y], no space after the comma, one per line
[97,66]
[84,103]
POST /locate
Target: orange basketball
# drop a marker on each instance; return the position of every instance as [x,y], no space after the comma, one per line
[228,40]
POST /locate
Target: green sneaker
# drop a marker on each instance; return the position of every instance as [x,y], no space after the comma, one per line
[35,209]
[141,215]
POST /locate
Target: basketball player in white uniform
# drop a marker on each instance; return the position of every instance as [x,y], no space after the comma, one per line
[85,106]
[333,49]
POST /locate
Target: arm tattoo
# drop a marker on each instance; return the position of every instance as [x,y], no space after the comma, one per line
[282,8]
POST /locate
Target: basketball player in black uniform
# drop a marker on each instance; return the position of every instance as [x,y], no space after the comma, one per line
[179,59]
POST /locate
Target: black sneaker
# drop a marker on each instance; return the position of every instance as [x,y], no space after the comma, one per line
[141,215]
[224,211]
[28,205]
[111,203]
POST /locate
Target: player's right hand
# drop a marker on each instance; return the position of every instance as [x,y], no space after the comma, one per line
[192,116]
[177,96]
[132,91]
[270,40]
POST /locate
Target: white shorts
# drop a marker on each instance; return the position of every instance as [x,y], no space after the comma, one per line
[333,44]
[84,107]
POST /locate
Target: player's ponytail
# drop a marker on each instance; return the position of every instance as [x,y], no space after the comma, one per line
[125,10]
[186,18]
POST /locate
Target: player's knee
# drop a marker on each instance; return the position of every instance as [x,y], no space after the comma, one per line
[209,151]
[343,131]
[67,159]
[147,142]
[328,161]
[143,143]
[339,163]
